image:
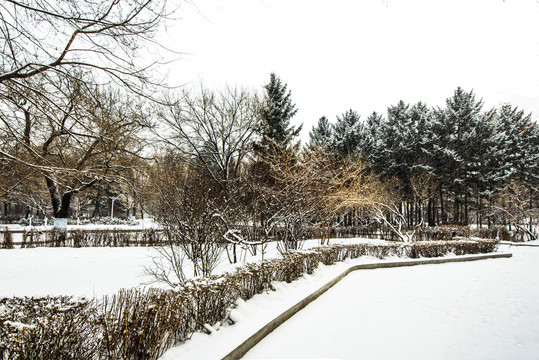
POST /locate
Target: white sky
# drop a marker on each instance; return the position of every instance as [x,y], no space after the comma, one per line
[363,55]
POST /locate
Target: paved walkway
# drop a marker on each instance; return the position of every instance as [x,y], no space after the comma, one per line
[476,310]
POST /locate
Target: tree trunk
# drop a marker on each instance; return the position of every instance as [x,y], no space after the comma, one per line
[466,208]
[442,220]
[478,211]
[531,207]
[97,209]
[60,207]
[456,218]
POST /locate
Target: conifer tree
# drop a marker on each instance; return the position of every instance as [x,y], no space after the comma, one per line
[395,156]
[276,133]
[370,143]
[321,135]
[347,132]
[459,148]
[520,142]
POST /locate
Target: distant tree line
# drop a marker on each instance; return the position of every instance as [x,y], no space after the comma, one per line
[458,164]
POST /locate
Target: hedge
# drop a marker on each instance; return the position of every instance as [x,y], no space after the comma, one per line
[35,237]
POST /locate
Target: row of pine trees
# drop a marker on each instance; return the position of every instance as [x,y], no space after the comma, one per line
[451,160]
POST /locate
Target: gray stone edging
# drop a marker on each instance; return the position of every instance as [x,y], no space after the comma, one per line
[254,339]
[510,243]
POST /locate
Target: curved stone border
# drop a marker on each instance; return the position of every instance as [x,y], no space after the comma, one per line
[517,244]
[248,344]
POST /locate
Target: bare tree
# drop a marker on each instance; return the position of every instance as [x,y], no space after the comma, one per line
[185,204]
[388,211]
[57,58]
[342,186]
[297,193]
[94,138]
[214,129]
[49,40]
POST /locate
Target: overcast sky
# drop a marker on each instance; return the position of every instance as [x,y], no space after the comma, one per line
[364,54]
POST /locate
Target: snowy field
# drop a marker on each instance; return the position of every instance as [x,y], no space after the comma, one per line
[94,272]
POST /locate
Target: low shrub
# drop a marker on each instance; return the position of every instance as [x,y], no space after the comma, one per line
[89,238]
[444,233]
[48,328]
[7,239]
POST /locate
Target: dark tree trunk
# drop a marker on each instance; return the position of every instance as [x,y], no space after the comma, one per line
[466,209]
[97,208]
[478,211]
[430,212]
[442,220]
[456,210]
[530,227]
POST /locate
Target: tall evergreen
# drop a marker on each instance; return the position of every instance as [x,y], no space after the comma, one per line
[347,132]
[396,155]
[460,148]
[276,133]
[521,144]
[371,136]
[421,122]
[321,135]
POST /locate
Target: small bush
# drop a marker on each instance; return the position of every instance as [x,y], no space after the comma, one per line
[7,239]
[47,328]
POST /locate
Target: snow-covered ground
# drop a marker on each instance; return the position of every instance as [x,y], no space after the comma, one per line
[92,272]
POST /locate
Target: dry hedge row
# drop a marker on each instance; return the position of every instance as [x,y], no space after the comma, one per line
[82,238]
[450,232]
[151,237]
[142,324]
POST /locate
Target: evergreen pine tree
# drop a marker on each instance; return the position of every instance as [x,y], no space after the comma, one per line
[347,132]
[371,139]
[420,116]
[521,144]
[460,148]
[396,150]
[276,133]
[321,135]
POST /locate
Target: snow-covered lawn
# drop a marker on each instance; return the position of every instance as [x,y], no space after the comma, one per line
[85,272]
[89,272]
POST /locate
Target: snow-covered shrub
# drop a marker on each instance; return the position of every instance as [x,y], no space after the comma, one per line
[441,233]
[431,249]
[91,238]
[31,221]
[494,232]
[47,328]
[32,238]
[140,324]
[104,220]
[7,239]
[445,233]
